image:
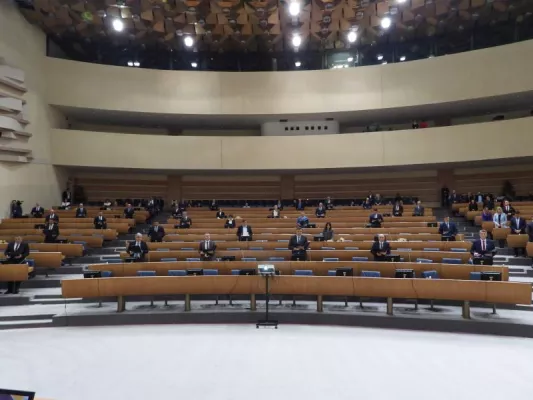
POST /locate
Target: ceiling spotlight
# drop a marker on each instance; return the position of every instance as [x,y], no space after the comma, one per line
[350,59]
[379,57]
[118,25]
[188,41]
[130,63]
[294,8]
[297,64]
[384,62]
[386,23]
[296,40]
[136,64]
[402,58]
[352,36]
[194,65]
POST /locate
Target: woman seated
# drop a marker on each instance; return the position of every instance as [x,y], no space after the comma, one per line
[472,206]
[499,219]
[275,212]
[328,232]
[230,223]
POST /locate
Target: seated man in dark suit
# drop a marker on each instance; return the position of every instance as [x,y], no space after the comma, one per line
[138,248]
[302,221]
[214,205]
[129,211]
[320,211]
[230,223]
[483,247]
[156,233]
[16,252]
[100,221]
[51,232]
[381,248]
[52,217]
[375,219]
[419,209]
[329,204]
[298,244]
[397,209]
[177,212]
[81,212]
[207,248]
[185,221]
[488,203]
[37,211]
[448,230]
[300,205]
[244,233]
[220,214]
[367,205]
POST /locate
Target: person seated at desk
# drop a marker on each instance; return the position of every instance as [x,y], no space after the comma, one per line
[81,212]
[156,233]
[107,204]
[230,223]
[377,199]
[16,253]
[220,214]
[454,197]
[214,205]
[298,244]
[51,232]
[244,233]
[367,205]
[302,221]
[52,217]
[177,212]
[380,248]
[66,196]
[418,210]
[472,206]
[100,221]
[448,230]
[185,221]
[329,204]
[138,248]
[37,211]
[183,204]
[375,219]
[246,205]
[499,219]
[275,213]
[486,215]
[488,203]
[508,209]
[328,232]
[320,211]
[279,204]
[482,247]
[300,205]
[129,211]
[207,248]
[65,205]
[518,225]
[397,210]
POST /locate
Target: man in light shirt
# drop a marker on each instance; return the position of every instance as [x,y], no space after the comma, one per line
[138,248]
[244,232]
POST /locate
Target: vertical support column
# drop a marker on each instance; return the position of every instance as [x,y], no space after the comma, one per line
[389,306]
[466,310]
[173,188]
[121,304]
[187,302]
[287,187]
[319,303]
[253,303]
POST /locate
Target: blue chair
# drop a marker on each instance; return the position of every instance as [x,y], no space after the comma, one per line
[328,259]
[210,271]
[332,272]
[256,248]
[276,258]
[475,276]
[424,260]
[430,274]
[451,261]
[359,258]
[30,262]
[107,274]
[351,248]
[303,272]
[248,259]
[431,249]
[163,250]
[235,271]
[170,259]
[114,261]
[371,274]
[145,273]
[458,250]
[177,272]
[327,248]
[234,249]
[192,259]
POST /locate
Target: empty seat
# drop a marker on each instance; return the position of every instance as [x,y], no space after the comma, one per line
[169,259]
[192,259]
[248,259]
[458,250]
[177,272]
[106,274]
[371,274]
[451,261]
[303,272]
[276,259]
[256,248]
[327,259]
[424,260]
[431,249]
[359,258]
[475,276]
[332,272]
[430,274]
[163,250]
[210,271]
[145,273]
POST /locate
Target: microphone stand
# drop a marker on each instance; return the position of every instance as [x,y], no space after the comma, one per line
[267,322]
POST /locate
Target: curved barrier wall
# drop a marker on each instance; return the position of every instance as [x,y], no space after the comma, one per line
[476,74]
[461,143]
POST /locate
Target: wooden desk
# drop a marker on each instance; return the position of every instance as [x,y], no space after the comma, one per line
[67,249]
[14,272]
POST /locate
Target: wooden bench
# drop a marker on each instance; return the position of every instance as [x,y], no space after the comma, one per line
[319,286]
[107,234]
[91,241]
[14,273]
[291,224]
[312,231]
[67,249]
[139,216]
[119,227]
[35,221]
[334,220]
[46,260]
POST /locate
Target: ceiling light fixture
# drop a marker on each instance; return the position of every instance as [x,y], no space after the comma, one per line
[297,64]
[296,40]
[194,65]
[118,25]
[401,1]
[384,62]
[130,63]
[294,8]
[136,64]
[352,36]
[386,23]
[188,41]
[379,57]
[403,58]
[350,59]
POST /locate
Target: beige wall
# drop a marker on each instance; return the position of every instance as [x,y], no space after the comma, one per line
[476,74]
[460,143]
[23,46]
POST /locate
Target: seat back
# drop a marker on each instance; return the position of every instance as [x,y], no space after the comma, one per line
[475,276]
[430,274]
[424,260]
[431,249]
[145,273]
[458,250]
[192,259]
[446,260]
[332,272]
[169,259]
[177,272]
[106,274]
[359,258]
[327,259]
[163,250]
[276,259]
[210,271]
[371,274]
[303,272]
[256,248]
[248,259]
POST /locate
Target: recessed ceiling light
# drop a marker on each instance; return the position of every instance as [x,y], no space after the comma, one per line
[194,65]
[296,40]
[294,8]
[386,23]
[297,64]
[118,25]
[350,59]
[136,64]
[379,57]
[352,36]
[402,58]
[188,41]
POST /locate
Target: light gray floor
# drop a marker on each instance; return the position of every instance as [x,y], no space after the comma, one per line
[239,362]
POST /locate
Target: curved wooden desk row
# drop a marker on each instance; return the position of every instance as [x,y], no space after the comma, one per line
[14,273]
[92,241]
[260,211]
[46,260]
[119,227]
[291,224]
[67,249]
[319,286]
[107,234]
[361,245]
[311,231]
[139,216]
[505,234]
[517,205]
[334,220]
[7,221]
[314,255]
[319,268]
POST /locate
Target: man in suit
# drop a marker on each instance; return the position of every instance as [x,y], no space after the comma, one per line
[214,205]
[397,210]
[16,252]
[483,247]
[508,209]
[129,211]
[100,221]
[300,205]
[275,212]
[448,230]
[244,233]
[529,230]
[177,212]
[329,204]
[186,221]
[377,199]
[138,248]
[37,211]
[367,205]
[302,221]
[230,223]
[488,203]
[518,227]
[375,219]
[454,197]
[419,209]
[156,233]
[298,244]
[66,197]
[51,232]
[320,211]
[52,217]
[380,249]
[221,214]
[81,212]
[207,248]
